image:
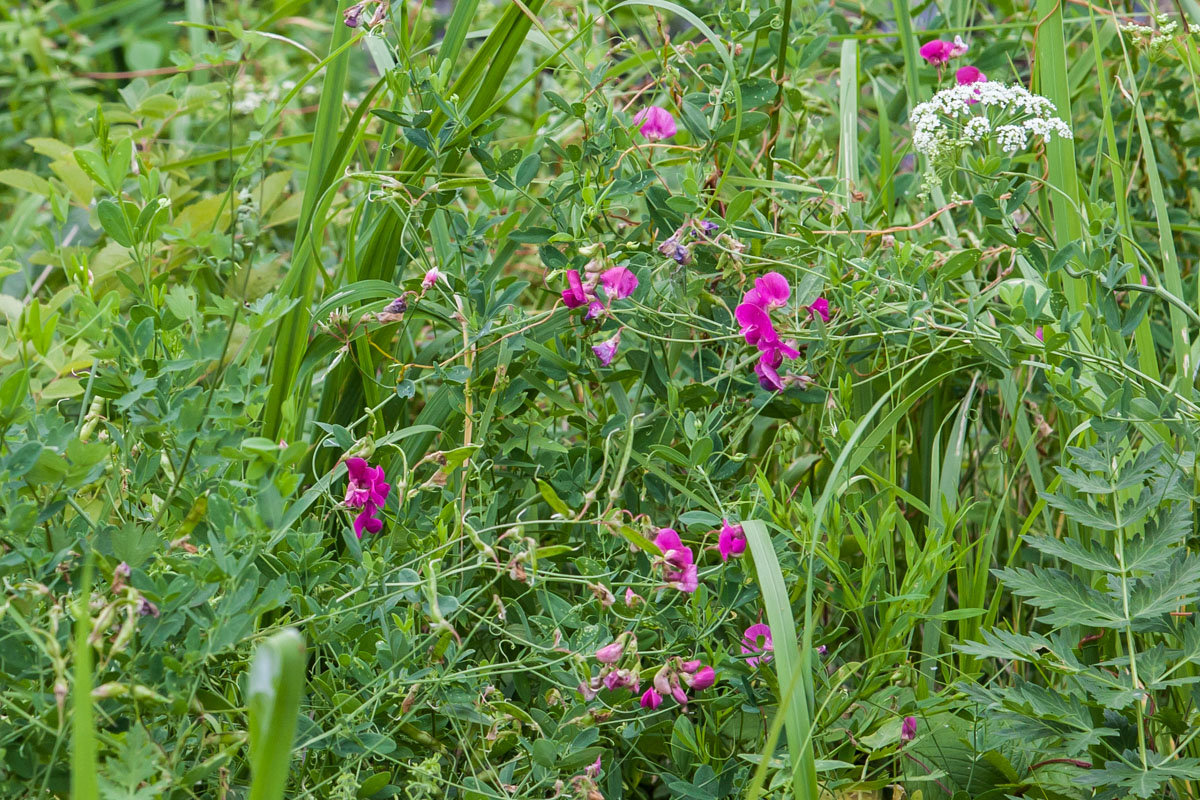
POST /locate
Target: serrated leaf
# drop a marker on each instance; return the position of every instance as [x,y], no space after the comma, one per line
[1080,512]
[1069,600]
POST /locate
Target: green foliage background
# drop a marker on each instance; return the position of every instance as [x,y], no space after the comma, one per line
[974,508]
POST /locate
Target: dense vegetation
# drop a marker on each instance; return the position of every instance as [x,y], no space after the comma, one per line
[602,400]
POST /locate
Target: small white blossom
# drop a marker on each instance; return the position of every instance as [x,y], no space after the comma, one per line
[978,113]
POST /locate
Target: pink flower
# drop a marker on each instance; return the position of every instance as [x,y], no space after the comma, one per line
[656,123]
[1145,282]
[574,295]
[651,699]
[679,694]
[731,541]
[959,48]
[611,653]
[367,490]
[908,729]
[431,277]
[768,373]
[967,75]
[703,679]
[757,639]
[593,770]
[690,666]
[770,291]
[1037,332]
[632,598]
[820,308]
[606,351]
[937,52]
[618,282]
[679,567]
[756,324]
[622,679]
[595,309]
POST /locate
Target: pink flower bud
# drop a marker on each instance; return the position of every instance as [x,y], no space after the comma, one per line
[611,653]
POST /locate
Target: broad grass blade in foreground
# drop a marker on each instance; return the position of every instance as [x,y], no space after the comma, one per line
[276,684]
[793,690]
[84,785]
[291,339]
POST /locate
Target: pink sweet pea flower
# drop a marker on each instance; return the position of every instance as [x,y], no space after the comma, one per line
[632,598]
[757,639]
[908,729]
[1145,281]
[367,490]
[968,75]
[618,282]
[959,48]
[574,295]
[679,567]
[679,694]
[431,277]
[651,699]
[595,309]
[606,351]
[770,291]
[731,541]
[656,123]
[703,679]
[820,308]
[937,52]
[1037,333]
[611,653]
[756,324]
[768,373]
[593,770]
[622,679]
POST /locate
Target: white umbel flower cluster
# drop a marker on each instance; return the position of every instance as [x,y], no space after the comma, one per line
[977,113]
[1153,38]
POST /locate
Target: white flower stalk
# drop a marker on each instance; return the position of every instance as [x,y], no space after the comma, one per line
[977,114]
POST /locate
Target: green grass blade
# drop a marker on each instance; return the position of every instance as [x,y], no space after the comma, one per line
[275,687]
[848,111]
[794,684]
[292,336]
[84,765]
[1051,61]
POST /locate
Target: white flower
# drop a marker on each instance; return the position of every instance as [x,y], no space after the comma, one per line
[978,113]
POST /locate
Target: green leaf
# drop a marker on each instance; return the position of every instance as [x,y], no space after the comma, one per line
[26,181]
[274,688]
[1069,600]
[114,222]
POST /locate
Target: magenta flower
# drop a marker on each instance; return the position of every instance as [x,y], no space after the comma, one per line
[651,699]
[632,598]
[622,679]
[593,770]
[679,567]
[757,639]
[959,48]
[595,309]
[1145,281]
[367,490]
[611,653]
[431,277]
[618,282]
[1037,333]
[679,694]
[731,541]
[606,351]
[656,123]
[937,52]
[767,372]
[770,291]
[908,729]
[756,325]
[820,308]
[703,679]
[967,75]
[574,295]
